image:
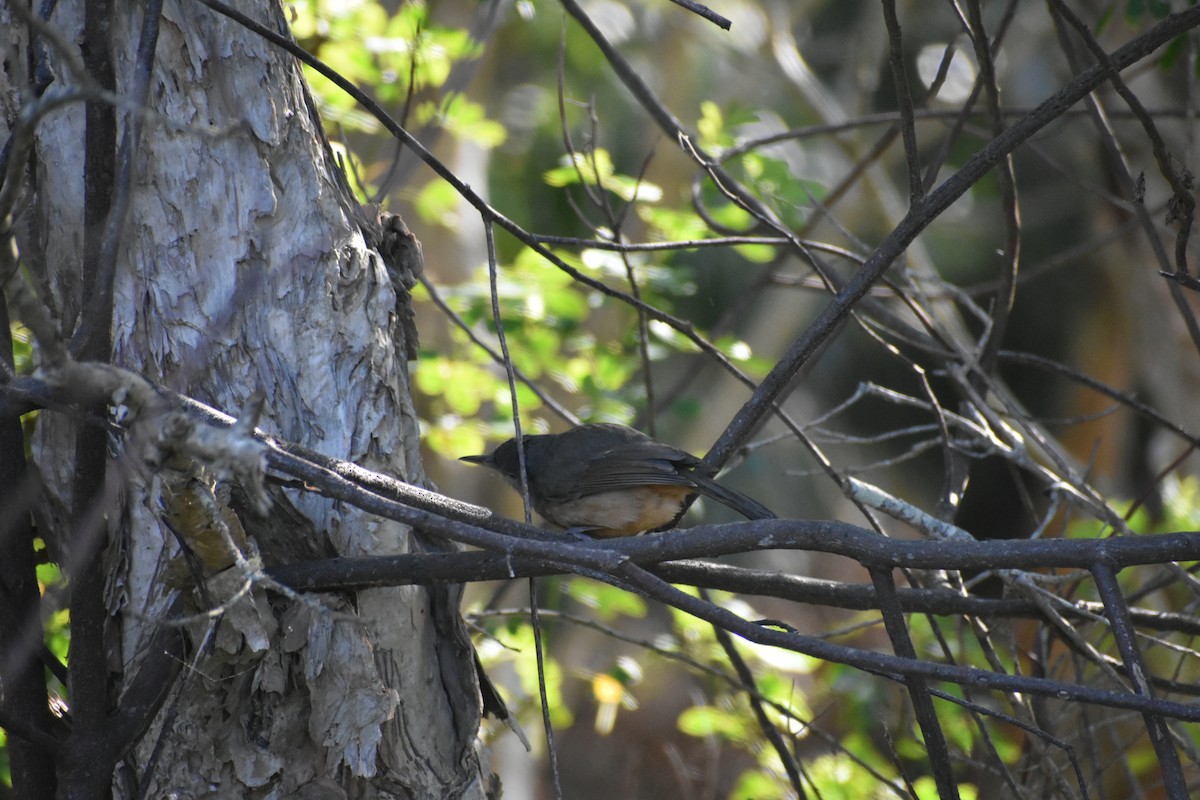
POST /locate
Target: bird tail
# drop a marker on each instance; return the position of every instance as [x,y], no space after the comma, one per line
[748,507]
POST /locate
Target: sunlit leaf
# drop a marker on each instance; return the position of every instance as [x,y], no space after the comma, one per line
[607,601]
[757,785]
[437,203]
[595,168]
[703,721]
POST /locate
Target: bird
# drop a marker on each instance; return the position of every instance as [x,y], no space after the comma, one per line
[609,481]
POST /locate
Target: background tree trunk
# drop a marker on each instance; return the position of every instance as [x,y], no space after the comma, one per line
[243,267]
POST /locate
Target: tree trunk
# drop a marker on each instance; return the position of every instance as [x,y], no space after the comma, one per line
[244,266]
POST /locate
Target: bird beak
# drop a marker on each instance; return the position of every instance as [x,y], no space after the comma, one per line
[484,459]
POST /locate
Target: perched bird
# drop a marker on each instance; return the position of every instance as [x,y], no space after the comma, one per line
[609,480]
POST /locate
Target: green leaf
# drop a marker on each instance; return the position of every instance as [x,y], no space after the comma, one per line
[711,127]
[782,689]
[669,224]
[337,109]
[22,352]
[353,169]
[462,386]
[352,61]
[756,253]
[1160,8]
[705,721]
[771,179]
[466,120]
[595,168]
[725,213]
[1176,48]
[608,601]
[758,785]
[437,204]
[451,436]
[927,789]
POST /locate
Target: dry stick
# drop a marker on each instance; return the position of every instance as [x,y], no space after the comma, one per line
[405,108]
[892,118]
[1124,398]
[825,536]
[623,573]
[1183,204]
[599,198]
[704,11]
[1008,195]
[678,244]
[904,97]
[1121,169]
[535,621]
[918,690]
[560,74]
[98,299]
[87,655]
[745,677]
[977,718]
[961,116]
[368,572]
[1122,551]
[1123,633]
[643,323]
[958,124]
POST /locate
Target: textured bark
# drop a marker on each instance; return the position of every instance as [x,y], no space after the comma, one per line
[244,267]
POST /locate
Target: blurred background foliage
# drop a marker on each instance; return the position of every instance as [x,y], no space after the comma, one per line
[796,100]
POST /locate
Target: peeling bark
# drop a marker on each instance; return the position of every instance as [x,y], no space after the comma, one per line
[246,266]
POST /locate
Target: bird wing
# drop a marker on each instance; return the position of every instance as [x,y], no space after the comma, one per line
[652,463]
[627,466]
